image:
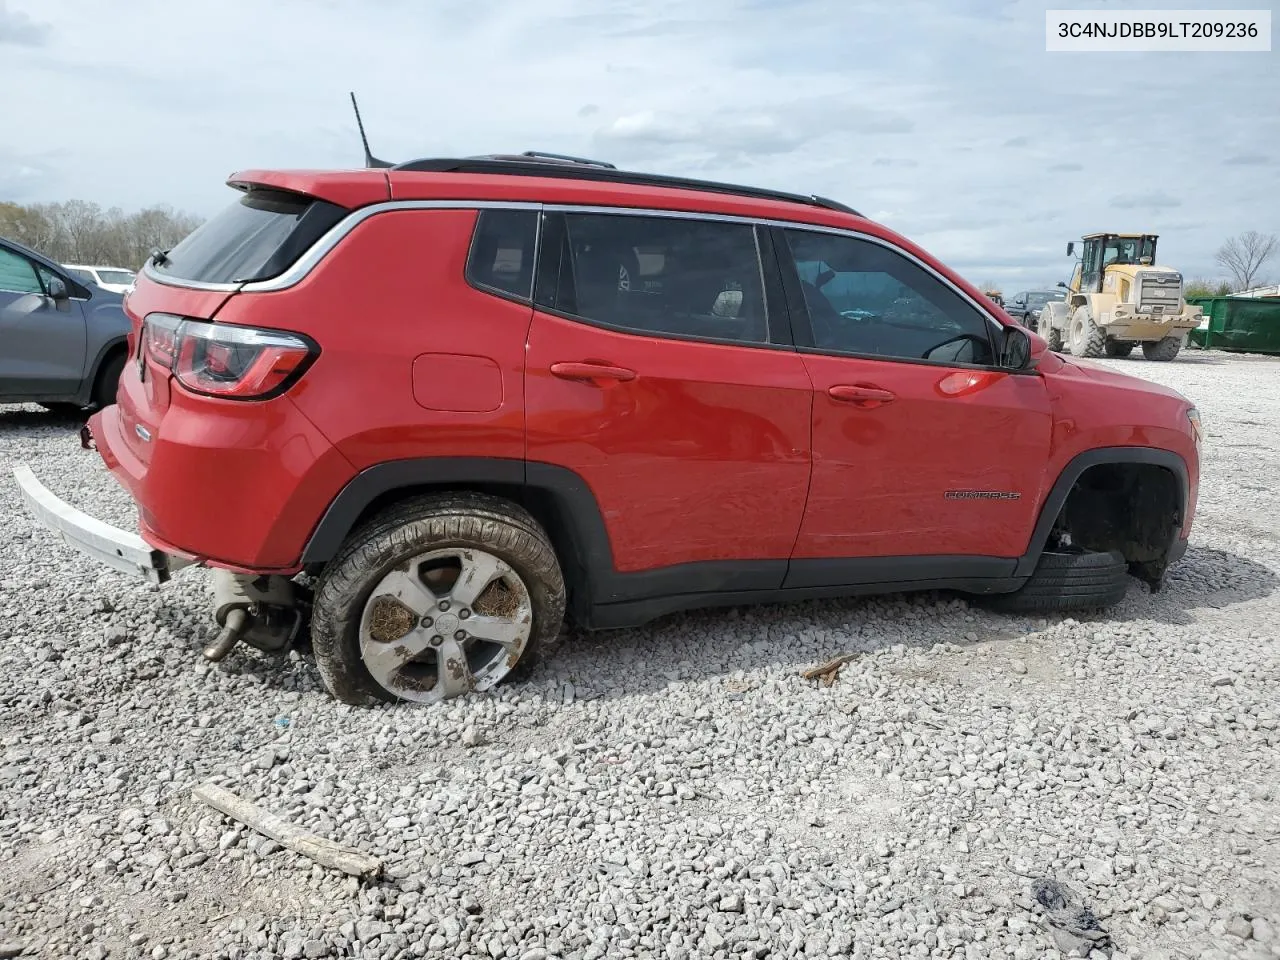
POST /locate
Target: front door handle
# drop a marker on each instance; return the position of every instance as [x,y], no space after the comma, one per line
[859,395]
[591,370]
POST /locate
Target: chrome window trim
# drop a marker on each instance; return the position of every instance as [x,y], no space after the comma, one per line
[151,274]
[303,266]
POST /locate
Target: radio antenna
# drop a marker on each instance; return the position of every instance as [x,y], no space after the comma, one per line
[369,159]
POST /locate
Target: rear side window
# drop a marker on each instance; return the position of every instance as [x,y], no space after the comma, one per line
[502,252]
[256,238]
[663,275]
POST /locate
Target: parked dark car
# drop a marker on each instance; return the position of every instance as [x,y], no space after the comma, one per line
[1025,307]
[64,341]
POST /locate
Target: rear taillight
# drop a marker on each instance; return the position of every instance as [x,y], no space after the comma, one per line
[160,338]
[239,363]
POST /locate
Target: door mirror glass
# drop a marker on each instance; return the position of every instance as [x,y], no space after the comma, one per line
[1015,352]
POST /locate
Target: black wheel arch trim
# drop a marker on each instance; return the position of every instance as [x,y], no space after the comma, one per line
[1075,468]
[374,482]
[91,376]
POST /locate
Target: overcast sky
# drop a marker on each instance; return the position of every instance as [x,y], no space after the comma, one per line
[945,120]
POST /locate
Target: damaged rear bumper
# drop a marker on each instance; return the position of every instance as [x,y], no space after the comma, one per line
[119,549]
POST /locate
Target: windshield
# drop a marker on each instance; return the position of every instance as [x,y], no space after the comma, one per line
[116,276]
[1127,250]
[1040,299]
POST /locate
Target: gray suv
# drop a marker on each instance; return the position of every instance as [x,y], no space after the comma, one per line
[64,341]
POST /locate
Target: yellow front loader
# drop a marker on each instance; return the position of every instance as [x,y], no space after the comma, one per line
[1118,298]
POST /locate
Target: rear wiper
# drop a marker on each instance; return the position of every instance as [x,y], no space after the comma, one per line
[159,257]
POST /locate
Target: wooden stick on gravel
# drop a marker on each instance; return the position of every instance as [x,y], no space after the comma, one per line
[827,671]
[322,851]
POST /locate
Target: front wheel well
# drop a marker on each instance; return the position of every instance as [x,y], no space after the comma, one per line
[1134,508]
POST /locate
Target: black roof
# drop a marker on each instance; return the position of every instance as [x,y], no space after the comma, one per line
[533,163]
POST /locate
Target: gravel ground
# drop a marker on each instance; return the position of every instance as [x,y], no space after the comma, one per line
[676,791]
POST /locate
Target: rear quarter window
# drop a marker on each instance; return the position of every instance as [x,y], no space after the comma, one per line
[256,238]
[502,252]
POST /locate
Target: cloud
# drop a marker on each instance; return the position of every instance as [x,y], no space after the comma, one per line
[734,134]
[19,29]
[26,177]
[1155,200]
[944,118]
[1247,160]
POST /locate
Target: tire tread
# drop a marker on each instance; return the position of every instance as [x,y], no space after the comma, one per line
[1067,582]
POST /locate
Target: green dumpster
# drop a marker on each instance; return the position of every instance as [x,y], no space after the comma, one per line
[1242,324]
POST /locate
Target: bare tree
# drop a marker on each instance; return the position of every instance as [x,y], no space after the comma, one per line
[1244,256]
[81,232]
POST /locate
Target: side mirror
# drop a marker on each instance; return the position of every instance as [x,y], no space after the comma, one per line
[1071,249]
[1016,351]
[1062,285]
[58,290]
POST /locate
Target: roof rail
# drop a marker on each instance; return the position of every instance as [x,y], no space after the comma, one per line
[833,205]
[541,155]
[531,164]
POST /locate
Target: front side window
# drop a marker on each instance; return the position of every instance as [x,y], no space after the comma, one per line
[866,299]
[502,251]
[17,274]
[663,275]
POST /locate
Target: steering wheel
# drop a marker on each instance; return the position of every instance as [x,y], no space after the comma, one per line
[962,338]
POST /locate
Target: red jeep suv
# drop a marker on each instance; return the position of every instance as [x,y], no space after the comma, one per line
[438,406]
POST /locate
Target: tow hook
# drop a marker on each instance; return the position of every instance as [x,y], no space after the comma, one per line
[86,438]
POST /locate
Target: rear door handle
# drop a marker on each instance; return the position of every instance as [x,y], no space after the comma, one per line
[590,370]
[862,396]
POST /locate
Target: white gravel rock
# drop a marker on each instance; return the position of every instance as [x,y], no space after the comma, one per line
[672,791]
